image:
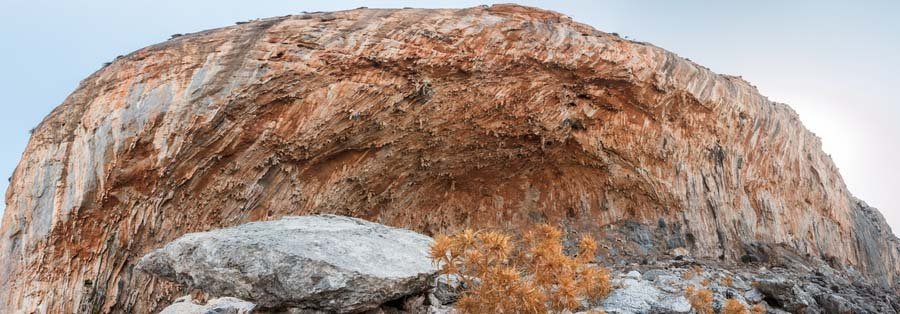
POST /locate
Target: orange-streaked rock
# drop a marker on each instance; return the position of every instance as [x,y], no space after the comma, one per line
[428,119]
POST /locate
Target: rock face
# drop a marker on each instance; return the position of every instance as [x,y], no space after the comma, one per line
[322,263]
[432,120]
[226,305]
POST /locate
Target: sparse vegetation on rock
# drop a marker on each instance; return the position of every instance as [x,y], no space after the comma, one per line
[733,306]
[758,308]
[701,299]
[532,275]
[727,281]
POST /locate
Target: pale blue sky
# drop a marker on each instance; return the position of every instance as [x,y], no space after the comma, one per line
[835,63]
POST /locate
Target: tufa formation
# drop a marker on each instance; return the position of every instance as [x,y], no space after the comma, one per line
[433,120]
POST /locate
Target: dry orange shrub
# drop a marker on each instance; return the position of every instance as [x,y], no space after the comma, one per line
[696,270]
[758,308]
[532,276]
[701,300]
[733,306]
[728,281]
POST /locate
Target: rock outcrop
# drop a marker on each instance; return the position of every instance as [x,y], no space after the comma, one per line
[325,263]
[432,120]
[226,305]
[639,296]
[659,287]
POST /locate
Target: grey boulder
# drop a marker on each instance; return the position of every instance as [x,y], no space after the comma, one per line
[639,296]
[785,294]
[835,304]
[447,289]
[226,305]
[317,263]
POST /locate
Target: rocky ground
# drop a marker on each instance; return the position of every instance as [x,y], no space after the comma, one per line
[659,287]
[333,264]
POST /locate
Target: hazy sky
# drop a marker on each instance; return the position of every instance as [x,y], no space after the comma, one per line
[836,64]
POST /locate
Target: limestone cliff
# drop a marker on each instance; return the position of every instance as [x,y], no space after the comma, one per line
[428,119]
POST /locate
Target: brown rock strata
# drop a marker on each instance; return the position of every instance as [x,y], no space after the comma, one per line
[428,119]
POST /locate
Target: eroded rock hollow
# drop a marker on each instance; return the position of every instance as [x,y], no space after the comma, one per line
[432,120]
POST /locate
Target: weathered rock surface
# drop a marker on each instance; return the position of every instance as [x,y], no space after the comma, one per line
[785,294]
[321,263]
[426,119]
[225,305]
[446,289]
[792,289]
[639,296]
